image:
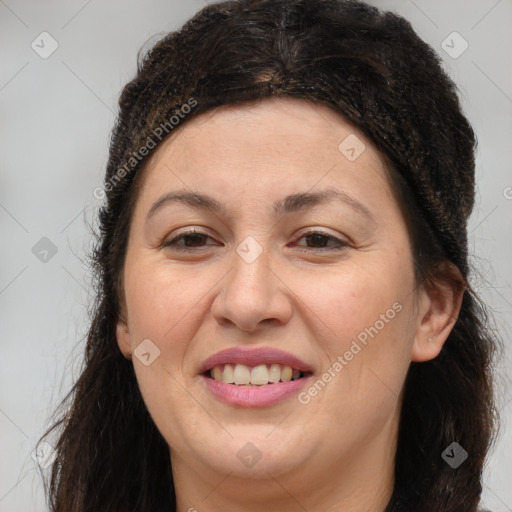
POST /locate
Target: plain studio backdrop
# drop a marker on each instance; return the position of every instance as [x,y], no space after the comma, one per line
[58,100]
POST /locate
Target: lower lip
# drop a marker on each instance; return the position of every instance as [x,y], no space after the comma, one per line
[254,396]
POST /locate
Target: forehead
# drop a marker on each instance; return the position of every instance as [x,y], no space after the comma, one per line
[291,140]
[276,122]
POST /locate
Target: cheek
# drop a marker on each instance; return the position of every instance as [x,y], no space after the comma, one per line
[361,315]
[161,301]
[353,301]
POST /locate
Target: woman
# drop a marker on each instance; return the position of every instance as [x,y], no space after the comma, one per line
[283,318]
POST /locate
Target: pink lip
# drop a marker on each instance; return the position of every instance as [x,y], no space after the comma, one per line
[254,396]
[253,357]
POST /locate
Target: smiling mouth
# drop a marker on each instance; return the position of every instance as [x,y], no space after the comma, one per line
[254,376]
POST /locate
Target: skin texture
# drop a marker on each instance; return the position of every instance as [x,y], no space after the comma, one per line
[335,452]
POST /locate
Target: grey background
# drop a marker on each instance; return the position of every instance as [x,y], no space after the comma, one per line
[56,117]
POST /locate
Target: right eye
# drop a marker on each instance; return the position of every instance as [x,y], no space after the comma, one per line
[194,238]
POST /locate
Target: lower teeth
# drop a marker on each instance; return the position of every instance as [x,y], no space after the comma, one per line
[260,385]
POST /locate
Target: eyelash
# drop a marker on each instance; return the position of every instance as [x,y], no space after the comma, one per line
[174,246]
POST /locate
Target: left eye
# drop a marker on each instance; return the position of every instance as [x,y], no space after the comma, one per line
[318,237]
[195,239]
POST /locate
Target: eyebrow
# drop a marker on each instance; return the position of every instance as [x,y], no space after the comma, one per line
[289,204]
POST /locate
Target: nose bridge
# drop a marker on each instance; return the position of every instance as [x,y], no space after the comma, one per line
[250,275]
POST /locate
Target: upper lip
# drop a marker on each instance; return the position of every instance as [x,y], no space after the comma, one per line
[254,357]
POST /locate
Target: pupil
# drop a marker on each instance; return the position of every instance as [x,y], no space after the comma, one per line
[316,237]
[196,236]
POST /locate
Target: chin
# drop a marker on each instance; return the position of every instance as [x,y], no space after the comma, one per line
[252,453]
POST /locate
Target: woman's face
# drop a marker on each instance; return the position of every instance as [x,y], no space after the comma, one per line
[282,271]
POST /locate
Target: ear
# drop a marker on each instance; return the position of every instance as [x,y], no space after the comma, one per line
[439,307]
[123,337]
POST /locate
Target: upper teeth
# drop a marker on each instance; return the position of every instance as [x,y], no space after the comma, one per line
[257,375]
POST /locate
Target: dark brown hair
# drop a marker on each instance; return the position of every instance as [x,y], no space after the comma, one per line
[373,69]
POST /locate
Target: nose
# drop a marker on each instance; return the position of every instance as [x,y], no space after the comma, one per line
[253,295]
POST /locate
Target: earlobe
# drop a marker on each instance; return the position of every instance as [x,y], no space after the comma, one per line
[123,338]
[438,313]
